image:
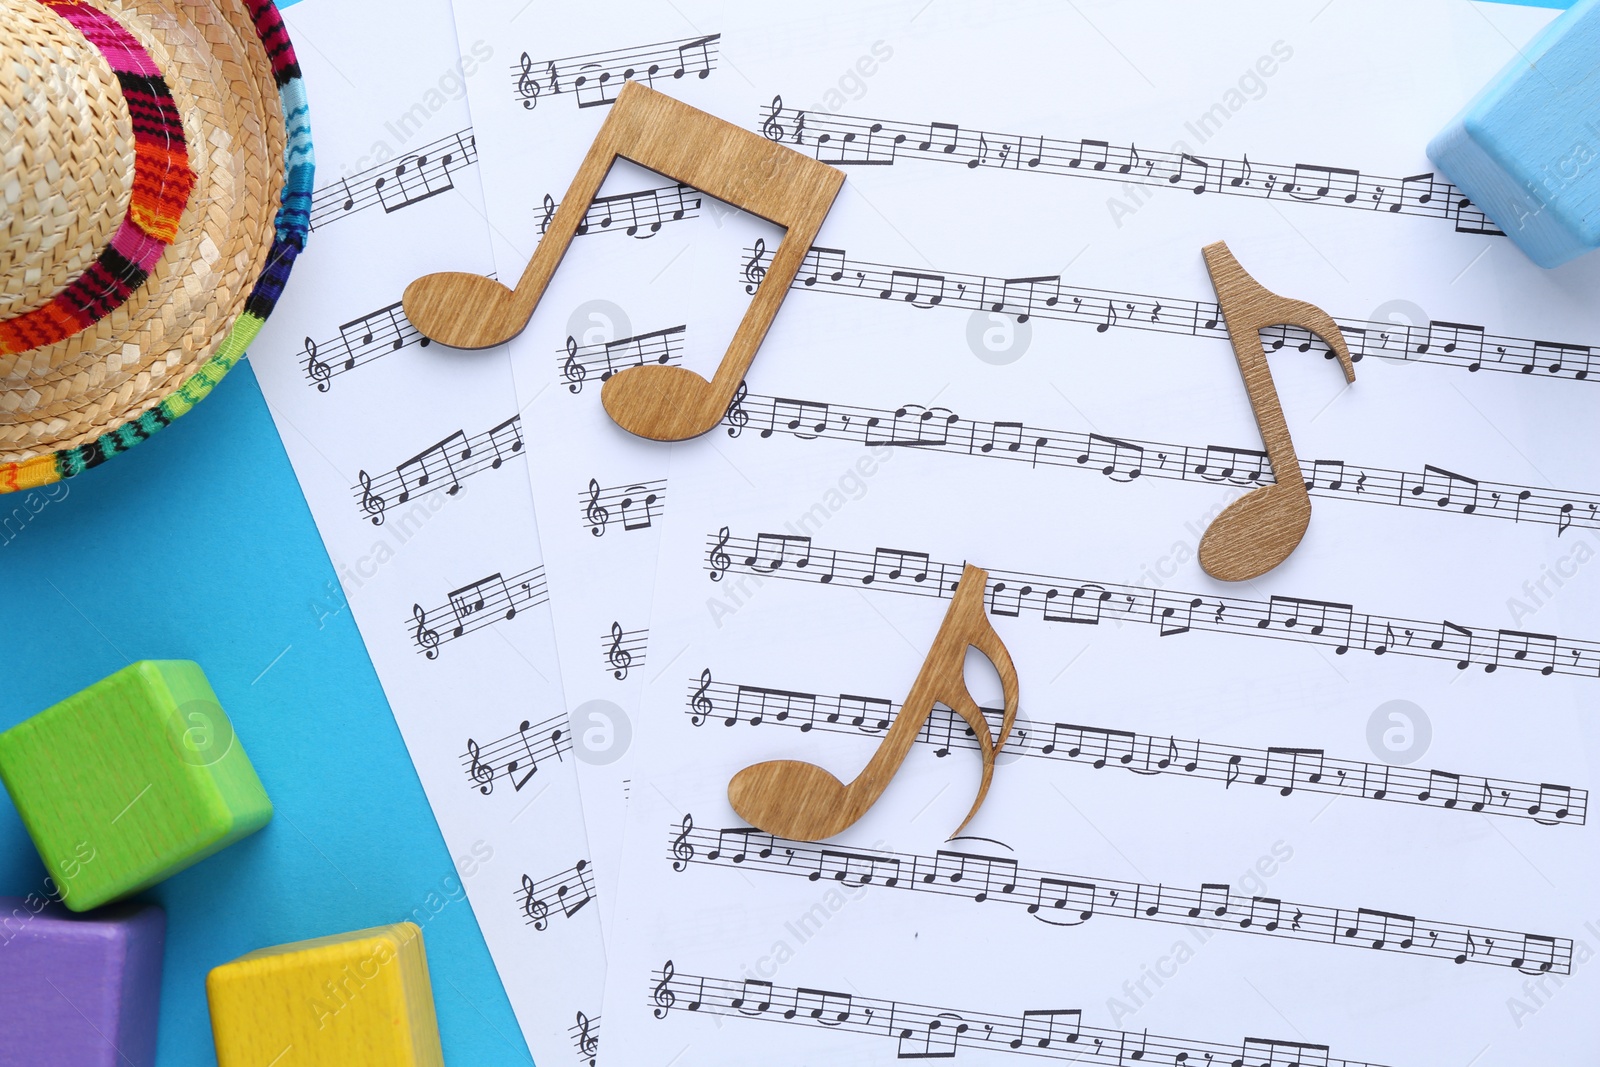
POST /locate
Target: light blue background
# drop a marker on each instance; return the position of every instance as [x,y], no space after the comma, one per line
[198,545]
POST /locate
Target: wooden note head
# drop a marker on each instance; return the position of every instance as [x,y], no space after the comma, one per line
[800,801]
[1255,533]
[769,180]
[434,304]
[663,403]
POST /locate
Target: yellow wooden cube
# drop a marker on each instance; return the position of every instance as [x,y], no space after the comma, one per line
[361,998]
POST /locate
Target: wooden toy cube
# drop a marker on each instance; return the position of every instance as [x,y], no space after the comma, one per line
[1527,148]
[358,998]
[79,991]
[130,781]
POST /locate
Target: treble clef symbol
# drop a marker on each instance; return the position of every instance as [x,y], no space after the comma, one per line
[596,513]
[753,270]
[682,851]
[588,1044]
[772,129]
[482,773]
[620,658]
[737,417]
[700,702]
[574,371]
[426,638]
[719,556]
[316,370]
[549,213]
[527,84]
[535,909]
[662,995]
[371,503]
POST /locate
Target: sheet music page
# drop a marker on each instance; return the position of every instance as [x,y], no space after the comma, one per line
[411,459]
[1337,814]
[626,293]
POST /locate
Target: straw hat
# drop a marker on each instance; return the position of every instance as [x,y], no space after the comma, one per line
[155,181]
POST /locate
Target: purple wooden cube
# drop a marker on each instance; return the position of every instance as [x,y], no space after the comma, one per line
[79,990]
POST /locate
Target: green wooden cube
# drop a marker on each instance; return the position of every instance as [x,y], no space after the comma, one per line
[130,781]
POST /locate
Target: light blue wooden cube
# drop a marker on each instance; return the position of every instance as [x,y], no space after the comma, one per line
[1527,149]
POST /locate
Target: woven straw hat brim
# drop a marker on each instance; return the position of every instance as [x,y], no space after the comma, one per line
[232,74]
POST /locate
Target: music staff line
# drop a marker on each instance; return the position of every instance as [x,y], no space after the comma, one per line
[623,650]
[565,892]
[419,175]
[594,78]
[516,757]
[475,605]
[439,467]
[1061,899]
[1125,459]
[378,333]
[643,209]
[852,140]
[625,507]
[926,1032]
[1284,770]
[601,358]
[1449,344]
[1088,603]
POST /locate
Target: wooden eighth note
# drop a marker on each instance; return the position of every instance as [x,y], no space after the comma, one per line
[1258,531]
[803,802]
[776,183]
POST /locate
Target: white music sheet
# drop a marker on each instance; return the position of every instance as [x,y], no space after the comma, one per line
[1388,734]
[411,461]
[626,293]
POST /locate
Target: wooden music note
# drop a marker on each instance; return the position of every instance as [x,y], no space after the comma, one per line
[804,802]
[742,168]
[1258,531]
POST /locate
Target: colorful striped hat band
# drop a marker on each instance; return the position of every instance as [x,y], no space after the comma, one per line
[162,182]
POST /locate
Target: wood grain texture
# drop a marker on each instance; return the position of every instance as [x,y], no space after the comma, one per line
[803,802]
[689,146]
[1258,531]
[130,781]
[357,998]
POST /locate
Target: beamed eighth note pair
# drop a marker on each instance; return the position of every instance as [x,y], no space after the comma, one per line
[665,403]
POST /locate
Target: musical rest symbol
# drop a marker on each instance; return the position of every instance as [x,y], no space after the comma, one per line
[804,802]
[663,403]
[1258,531]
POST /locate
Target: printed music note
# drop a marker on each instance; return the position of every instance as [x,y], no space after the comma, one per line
[1043,1028]
[1258,531]
[413,183]
[994,874]
[471,600]
[1260,1052]
[663,403]
[802,801]
[636,507]
[422,468]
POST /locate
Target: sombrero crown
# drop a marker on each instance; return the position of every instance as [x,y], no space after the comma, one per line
[156,177]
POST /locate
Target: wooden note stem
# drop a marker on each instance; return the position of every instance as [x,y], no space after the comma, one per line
[1258,531]
[803,802]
